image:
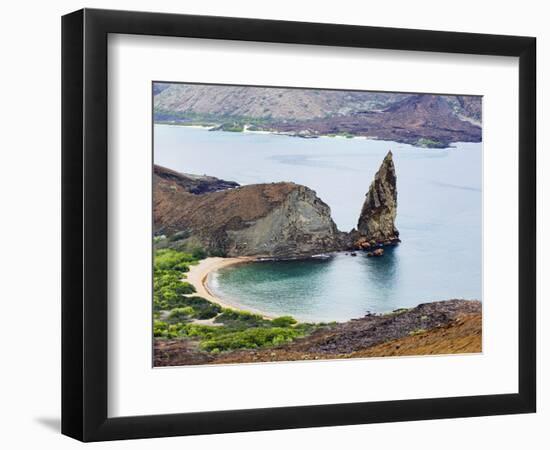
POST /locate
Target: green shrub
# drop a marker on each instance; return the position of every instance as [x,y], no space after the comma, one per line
[429,143]
[241,319]
[199,253]
[181,314]
[159,328]
[204,331]
[202,309]
[250,338]
[235,127]
[168,287]
[346,134]
[169,259]
[283,321]
[168,292]
[162,329]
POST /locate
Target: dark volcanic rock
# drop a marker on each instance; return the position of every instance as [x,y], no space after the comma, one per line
[433,121]
[377,220]
[374,329]
[195,184]
[429,328]
[377,252]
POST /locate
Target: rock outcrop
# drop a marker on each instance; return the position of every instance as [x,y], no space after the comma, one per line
[279,220]
[195,184]
[376,224]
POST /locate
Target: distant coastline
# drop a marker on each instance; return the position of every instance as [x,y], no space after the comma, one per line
[423,120]
[426,143]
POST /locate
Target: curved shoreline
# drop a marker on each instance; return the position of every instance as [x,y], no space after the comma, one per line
[198,276]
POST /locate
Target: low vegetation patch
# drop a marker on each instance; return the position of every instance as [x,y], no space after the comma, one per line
[168,271]
[429,143]
[241,319]
[284,321]
[250,338]
[234,127]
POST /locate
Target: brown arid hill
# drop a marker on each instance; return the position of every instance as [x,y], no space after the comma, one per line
[468,108]
[265,102]
[438,328]
[461,336]
[274,220]
[420,119]
[421,116]
[358,334]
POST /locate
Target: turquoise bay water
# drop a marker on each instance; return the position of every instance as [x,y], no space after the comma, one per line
[439,219]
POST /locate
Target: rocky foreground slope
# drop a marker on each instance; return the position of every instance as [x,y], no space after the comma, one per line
[445,327]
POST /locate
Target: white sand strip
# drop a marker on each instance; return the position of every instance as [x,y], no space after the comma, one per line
[198,277]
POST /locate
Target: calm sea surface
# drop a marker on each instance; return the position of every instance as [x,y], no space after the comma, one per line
[438,216]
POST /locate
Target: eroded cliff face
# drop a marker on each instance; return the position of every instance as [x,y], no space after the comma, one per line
[376,223]
[300,225]
[279,220]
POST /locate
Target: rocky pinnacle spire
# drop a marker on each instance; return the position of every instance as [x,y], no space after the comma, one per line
[377,219]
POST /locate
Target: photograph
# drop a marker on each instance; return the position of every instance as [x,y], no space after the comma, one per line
[271,226]
[303,224]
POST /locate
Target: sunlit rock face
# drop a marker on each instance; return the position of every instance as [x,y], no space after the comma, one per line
[377,220]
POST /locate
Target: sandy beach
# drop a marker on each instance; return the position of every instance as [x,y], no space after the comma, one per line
[198,277]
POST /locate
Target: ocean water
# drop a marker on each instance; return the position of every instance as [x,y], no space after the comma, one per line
[439,217]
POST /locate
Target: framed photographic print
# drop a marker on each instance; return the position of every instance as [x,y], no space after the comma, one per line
[273,224]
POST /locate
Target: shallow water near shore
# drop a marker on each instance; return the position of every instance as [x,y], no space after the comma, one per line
[439,219]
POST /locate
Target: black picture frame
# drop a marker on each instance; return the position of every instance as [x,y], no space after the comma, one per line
[84,224]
